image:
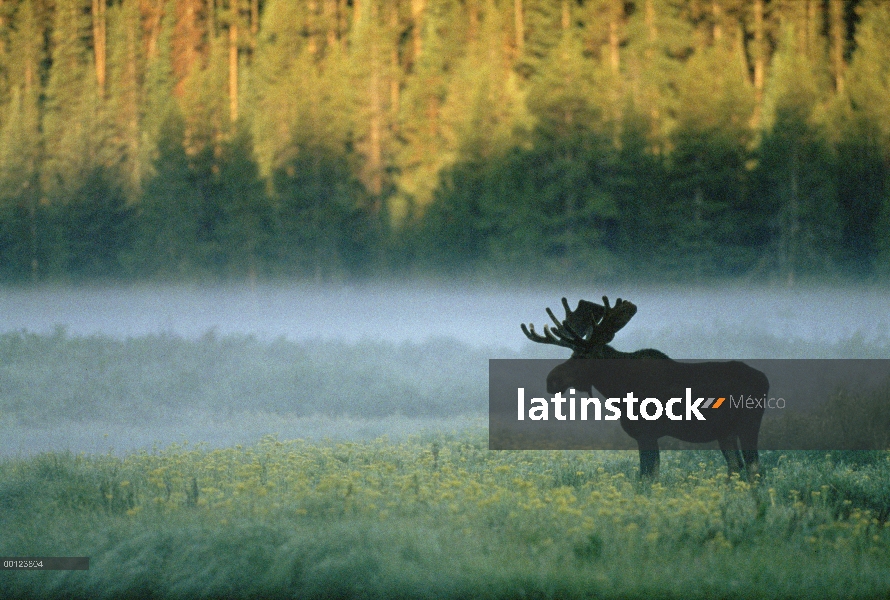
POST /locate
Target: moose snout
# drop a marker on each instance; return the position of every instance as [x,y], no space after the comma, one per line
[558,381]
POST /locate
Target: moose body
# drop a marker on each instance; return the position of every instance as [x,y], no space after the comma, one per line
[651,374]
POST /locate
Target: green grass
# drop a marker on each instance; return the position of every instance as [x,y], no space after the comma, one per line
[444,517]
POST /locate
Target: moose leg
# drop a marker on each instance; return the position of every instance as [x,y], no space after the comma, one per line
[649,459]
[748,441]
[730,449]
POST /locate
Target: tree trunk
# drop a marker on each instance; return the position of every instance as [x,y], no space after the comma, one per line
[417,9]
[395,67]
[32,222]
[793,218]
[330,22]
[311,13]
[375,98]
[617,8]
[759,52]
[186,40]
[838,40]
[814,26]
[131,102]
[519,22]
[254,22]
[99,43]
[341,21]
[473,9]
[233,64]
[718,20]
[651,28]
[3,25]
[154,16]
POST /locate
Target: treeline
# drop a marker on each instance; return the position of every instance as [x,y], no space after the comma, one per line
[221,139]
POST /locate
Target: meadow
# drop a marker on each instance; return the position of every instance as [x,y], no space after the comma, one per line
[443,517]
[424,512]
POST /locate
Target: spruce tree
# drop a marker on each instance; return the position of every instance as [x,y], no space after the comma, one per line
[864,145]
[246,223]
[424,149]
[125,94]
[72,103]
[795,178]
[167,245]
[23,222]
[706,210]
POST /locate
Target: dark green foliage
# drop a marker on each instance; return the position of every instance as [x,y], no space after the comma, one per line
[639,177]
[325,216]
[97,226]
[20,218]
[557,216]
[680,139]
[863,186]
[168,228]
[797,189]
[241,208]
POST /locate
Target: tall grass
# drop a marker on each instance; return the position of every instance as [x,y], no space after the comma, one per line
[442,517]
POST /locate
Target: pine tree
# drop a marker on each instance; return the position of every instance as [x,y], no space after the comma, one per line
[572,149]
[641,234]
[424,150]
[72,104]
[158,101]
[325,225]
[98,227]
[542,27]
[796,169]
[246,221]
[171,205]
[370,46]
[485,113]
[300,99]
[205,101]
[21,219]
[708,213]
[20,214]
[657,38]
[864,146]
[124,92]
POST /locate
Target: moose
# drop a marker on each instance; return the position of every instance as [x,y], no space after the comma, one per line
[587,331]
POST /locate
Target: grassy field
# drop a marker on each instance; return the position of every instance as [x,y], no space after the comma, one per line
[443,517]
[434,515]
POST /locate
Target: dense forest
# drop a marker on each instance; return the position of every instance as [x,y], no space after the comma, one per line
[328,139]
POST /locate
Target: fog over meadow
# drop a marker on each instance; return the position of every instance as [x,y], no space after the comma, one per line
[430,340]
[481,316]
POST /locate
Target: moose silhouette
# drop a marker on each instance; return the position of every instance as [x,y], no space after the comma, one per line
[649,373]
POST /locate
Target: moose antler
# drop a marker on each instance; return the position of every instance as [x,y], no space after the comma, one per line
[585,328]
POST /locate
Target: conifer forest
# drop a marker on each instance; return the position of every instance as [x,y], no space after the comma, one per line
[245,140]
